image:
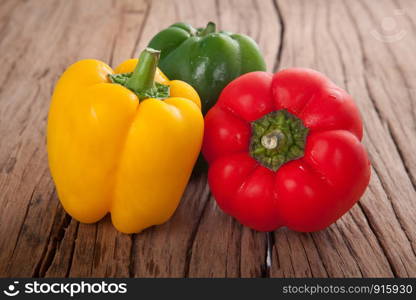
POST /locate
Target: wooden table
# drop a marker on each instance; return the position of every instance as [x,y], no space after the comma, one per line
[367,47]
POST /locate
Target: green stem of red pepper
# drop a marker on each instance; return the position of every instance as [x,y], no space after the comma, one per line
[277,138]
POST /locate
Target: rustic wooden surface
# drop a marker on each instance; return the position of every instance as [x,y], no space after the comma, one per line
[367,47]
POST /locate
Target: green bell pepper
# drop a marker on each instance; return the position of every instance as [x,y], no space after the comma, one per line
[206,59]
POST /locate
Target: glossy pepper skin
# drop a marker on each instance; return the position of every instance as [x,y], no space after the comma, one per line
[108,152]
[206,59]
[285,150]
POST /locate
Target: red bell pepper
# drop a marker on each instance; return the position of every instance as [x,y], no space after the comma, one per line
[285,150]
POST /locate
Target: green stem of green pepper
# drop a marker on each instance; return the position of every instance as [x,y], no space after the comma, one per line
[211,28]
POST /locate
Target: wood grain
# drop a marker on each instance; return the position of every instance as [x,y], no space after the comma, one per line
[377,238]
[371,239]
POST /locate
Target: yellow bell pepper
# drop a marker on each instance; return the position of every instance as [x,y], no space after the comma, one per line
[122,142]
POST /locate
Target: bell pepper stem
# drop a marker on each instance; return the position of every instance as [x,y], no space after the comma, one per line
[271,140]
[210,28]
[277,137]
[144,73]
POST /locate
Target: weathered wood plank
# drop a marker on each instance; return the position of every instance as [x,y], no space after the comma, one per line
[391,85]
[25,184]
[386,157]
[35,60]
[369,240]
[376,238]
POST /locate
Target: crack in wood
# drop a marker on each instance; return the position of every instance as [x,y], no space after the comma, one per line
[379,242]
[268,257]
[392,205]
[258,16]
[306,256]
[401,155]
[217,13]
[281,34]
[323,264]
[25,121]
[337,47]
[350,249]
[113,48]
[239,249]
[132,262]
[139,36]
[22,226]
[194,232]
[292,266]
[94,247]
[52,245]
[71,256]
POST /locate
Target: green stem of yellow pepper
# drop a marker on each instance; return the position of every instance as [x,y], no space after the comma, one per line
[143,75]
[142,80]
